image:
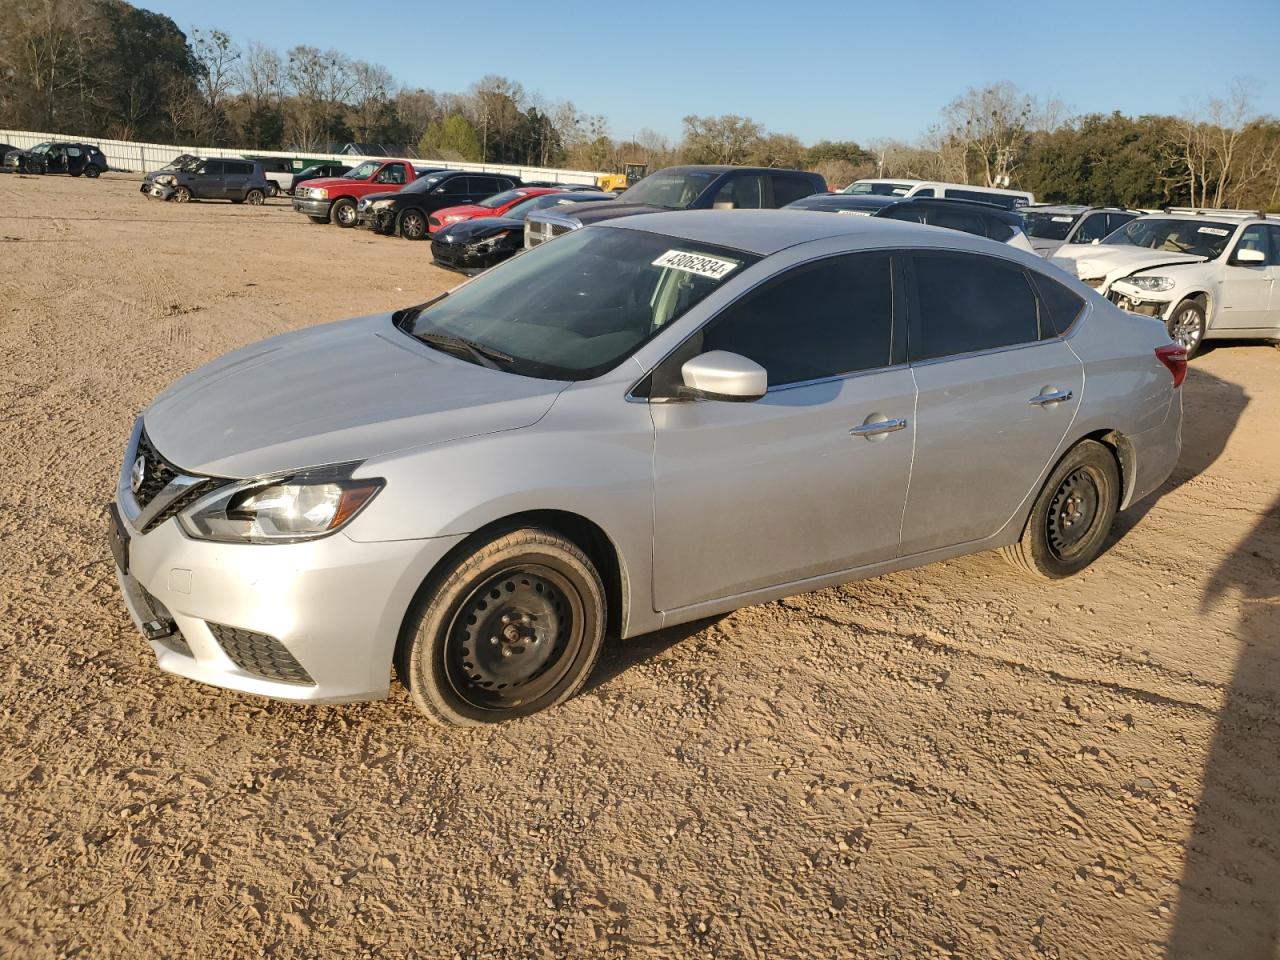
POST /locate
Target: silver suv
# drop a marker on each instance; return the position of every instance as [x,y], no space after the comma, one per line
[650,421]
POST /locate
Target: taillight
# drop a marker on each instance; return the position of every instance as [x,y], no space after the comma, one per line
[1174,356]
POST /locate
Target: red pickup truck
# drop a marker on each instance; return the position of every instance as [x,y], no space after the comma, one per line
[333,199]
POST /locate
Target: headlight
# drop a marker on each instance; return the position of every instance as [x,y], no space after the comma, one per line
[285,509]
[167,179]
[453,219]
[1151,283]
[319,193]
[380,204]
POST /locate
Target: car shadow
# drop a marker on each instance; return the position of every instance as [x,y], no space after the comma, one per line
[1229,899]
[1211,409]
[619,656]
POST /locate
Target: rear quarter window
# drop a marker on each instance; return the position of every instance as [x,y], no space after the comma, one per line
[1059,307]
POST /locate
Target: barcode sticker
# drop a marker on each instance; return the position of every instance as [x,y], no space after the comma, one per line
[696,263]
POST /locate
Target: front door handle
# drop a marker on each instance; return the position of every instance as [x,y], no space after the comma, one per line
[877,428]
[1044,398]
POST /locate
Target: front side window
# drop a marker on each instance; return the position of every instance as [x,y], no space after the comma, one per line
[1117,220]
[816,321]
[671,189]
[1254,238]
[573,309]
[392,173]
[741,192]
[1203,238]
[968,303]
[1093,228]
[211,168]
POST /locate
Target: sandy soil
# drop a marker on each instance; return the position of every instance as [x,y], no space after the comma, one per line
[949,762]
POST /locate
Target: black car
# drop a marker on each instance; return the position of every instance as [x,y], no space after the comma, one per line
[406,211]
[58,157]
[475,245]
[969,216]
[316,171]
[860,204]
[686,188]
[208,178]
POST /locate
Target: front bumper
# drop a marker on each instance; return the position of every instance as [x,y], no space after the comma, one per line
[1133,300]
[312,208]
[472,257]
[157,190]
[379,221]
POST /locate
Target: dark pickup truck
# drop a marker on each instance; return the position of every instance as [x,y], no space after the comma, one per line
[681,188]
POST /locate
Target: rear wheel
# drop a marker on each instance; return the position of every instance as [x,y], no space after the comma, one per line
[513,628]
[344,212]
[1186,325]
[254,198]
[1072,515]
[413,225]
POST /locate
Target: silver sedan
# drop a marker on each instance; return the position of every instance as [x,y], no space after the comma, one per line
[630,427]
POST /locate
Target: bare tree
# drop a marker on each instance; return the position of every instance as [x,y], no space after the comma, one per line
[991,124]
[216,57]
[371,87]
[724,139]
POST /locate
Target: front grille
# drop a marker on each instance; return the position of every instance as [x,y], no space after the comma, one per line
[558,229]
[259,654]
[158,472]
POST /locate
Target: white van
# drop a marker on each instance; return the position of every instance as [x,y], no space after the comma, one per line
[893,187]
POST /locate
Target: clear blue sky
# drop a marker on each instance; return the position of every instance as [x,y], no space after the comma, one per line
[819,69]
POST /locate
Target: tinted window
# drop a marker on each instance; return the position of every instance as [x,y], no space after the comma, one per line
[457,186]
[1275,245]
[968,303]
[957,220]
[211,168]
[819,320]
[233,166]
[788,189]
[1059,307]
[1093,228]
[926,192]
[742,192]
[485,186]
[1117,220]
[1008,202]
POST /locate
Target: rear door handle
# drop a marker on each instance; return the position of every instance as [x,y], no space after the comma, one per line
[878,427]
[1056,396]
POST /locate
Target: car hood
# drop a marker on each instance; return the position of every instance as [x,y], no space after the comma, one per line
[1091,261]
[479,228]
[369,198]
[597,210]
[467,210]
[332,182]
[331,394]
[1044,247]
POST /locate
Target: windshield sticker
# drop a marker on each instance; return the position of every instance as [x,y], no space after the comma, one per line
[854,213]
[1063,219]
[1216,231]
[696,263]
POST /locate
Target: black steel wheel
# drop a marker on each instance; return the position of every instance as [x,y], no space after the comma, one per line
[1072,514]
[413,225]
[514,627]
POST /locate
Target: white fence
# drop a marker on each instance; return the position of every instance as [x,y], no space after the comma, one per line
[132,155]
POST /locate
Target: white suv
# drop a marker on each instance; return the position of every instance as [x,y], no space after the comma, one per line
[1208,274]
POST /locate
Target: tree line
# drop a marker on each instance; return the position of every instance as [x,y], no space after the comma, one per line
[107,68]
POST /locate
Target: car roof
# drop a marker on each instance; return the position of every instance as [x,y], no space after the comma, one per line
[765,232]
[952,203]
[727,168]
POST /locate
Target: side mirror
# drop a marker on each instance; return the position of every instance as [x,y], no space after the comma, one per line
[1250,257]
[720,375]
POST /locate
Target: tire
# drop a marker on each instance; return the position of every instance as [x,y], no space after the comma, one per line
[92,172]
[472,640]
[1084,486]
[318,219]
[1187,324]
[273,188]
[75,173]
[413,225]
[343,212]
[181,195]
[254,198]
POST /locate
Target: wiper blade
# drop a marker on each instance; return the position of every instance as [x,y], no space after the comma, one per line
[485,356]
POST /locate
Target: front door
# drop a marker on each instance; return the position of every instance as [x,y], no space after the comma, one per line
[1246,291]
[209,181]
[810,479]
[995,399]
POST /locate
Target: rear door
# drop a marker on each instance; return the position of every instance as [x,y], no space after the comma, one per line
[811,478]
[788,187]
[481,187]
[236,175]
[998,390]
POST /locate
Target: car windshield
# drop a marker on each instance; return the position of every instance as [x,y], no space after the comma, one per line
[1199,237]
[575,308]
[1048,226]
[183,164]
[880,189]
[41,148]
[671,189]
[498,199]
[525,207]
[364,171]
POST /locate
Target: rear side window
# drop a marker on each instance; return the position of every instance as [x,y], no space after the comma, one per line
[1059,307]
[818,320]
[968,303]
[957,220]
[1008,202]
[787,189]
[233,166]
[1274,259]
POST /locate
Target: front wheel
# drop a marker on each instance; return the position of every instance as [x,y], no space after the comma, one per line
[1072,515]
[273,188]
[1186,325]
[181,195]
[515,627]
[92,172]
[413,225]
[344,213]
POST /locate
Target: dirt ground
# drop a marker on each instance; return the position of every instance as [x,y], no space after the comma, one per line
[948,762]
